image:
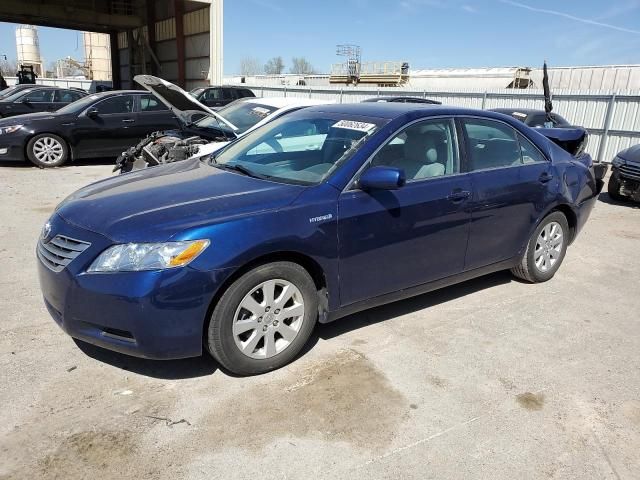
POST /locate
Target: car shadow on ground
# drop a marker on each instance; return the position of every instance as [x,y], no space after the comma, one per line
[604,197]
[391,310]
[205,365]
[164,369]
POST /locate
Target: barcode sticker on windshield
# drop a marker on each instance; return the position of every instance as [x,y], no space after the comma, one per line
[260,111]
[518,114]
[353,125]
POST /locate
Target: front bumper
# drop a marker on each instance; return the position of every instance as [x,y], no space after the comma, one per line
[154,314]
[10,151]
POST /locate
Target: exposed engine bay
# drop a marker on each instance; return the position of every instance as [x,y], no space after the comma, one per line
[160,148]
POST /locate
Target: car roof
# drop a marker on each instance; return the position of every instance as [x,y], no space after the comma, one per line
[391,110]
[282,102]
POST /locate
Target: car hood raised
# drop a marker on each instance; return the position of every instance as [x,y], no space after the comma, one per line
[180,102]
[154,204]
[632,154]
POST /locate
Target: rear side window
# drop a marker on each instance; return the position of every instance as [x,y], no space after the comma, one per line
[214,94]
[119,104]
[67,96]
[148,103]
[243,92]
[39,96]
[491,145]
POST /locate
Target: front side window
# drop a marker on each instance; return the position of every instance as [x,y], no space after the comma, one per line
[302,150]
[39,96]
[149,103]
[491,144]
[213,94]
[423,150]
[113,105]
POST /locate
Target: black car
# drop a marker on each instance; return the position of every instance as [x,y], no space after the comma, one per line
[402,100]
[38,99]
[220,96]
[625,175]
[534,118]
[100,125]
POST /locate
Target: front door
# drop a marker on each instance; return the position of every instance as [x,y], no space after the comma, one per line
[110,130]
[512,183]
[390,240]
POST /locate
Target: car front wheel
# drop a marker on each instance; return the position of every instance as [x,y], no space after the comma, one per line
[47,150]
[613,188]
[263,319]
[545,251]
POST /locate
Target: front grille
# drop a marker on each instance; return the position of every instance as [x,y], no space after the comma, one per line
[631,170]
[58,252]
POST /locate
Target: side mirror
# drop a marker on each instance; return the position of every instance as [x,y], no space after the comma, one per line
[382,178]
[93,112]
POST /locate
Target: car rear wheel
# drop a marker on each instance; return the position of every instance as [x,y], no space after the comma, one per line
[545,251]
[614,188]
[263,319]
[47,150]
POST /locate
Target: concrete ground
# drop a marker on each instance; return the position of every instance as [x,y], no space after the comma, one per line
[491,379]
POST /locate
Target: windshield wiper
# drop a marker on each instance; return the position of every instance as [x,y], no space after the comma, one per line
[234,167]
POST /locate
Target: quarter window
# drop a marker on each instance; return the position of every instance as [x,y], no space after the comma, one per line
[423,150]
[491,145]
[118,104]
[530,154]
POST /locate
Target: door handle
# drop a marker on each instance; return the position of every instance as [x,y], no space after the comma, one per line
[458,196]
[128,120]
[545,177]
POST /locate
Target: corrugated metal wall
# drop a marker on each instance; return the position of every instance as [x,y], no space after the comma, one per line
[615,118]
[196,40]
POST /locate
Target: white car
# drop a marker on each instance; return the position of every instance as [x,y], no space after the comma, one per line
[204,130]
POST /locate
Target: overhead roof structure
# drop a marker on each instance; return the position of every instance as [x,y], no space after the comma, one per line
[179,40]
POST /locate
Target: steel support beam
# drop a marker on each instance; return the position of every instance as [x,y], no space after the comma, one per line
[216,42]
[179,14]
[115,61]
[68,16]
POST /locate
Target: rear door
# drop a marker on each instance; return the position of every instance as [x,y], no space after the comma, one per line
[110,131]
[512,184]
[64,97]
[153,115]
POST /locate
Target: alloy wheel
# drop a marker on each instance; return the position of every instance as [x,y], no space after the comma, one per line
[48,150]
[548,247]
[268,319]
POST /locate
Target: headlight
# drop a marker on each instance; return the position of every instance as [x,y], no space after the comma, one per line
[134,257]
[618,162]
[10,128]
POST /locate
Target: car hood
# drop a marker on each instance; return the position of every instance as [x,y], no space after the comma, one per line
[180,102]
[155,204]
[29,118]
[632,154]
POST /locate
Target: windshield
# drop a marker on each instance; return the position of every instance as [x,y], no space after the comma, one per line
[12,97]
[304,149]
[245,115]
[10,91]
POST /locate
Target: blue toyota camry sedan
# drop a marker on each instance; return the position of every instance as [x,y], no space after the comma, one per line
[314,216]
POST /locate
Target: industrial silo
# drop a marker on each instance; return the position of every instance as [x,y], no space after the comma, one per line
[29,48]
[97,55]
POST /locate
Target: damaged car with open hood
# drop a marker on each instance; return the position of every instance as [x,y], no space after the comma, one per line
[202,130]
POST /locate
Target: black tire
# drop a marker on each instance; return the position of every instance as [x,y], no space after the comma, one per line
[54,140]
[527,269]
[220,340]
[613,188]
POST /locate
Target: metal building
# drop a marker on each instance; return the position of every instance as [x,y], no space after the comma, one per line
[180,40]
